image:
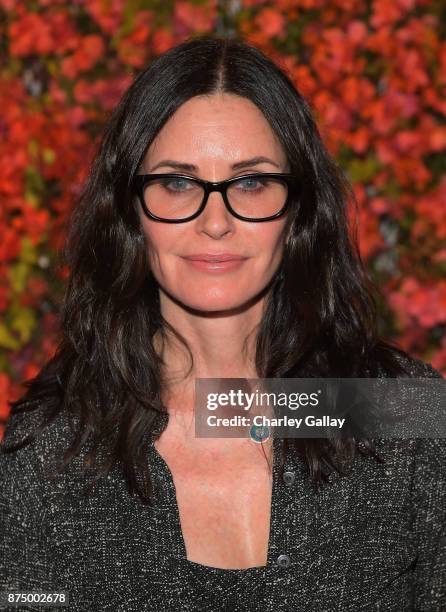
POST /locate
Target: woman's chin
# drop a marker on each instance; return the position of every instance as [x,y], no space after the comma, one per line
[214,299]
[216,303]
[216,306]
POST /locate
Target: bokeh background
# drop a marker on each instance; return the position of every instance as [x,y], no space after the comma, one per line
[374,73]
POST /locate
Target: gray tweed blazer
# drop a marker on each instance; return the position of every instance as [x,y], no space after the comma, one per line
[372,540]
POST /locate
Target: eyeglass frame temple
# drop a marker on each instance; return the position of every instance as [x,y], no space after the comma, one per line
[140,180]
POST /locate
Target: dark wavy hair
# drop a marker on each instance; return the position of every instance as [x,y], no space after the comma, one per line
[320,318]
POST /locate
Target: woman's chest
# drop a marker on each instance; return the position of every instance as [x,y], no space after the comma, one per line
[223,505]
[347,547]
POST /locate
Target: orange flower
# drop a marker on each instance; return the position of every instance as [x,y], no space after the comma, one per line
[10,244]
[30,34]
[386,13]
[108,14]
[162,40]
[5,387]
[132,49]
[190,17]
[271,22]
[91,49]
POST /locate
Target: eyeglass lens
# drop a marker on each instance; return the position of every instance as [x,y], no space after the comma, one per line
[179,198]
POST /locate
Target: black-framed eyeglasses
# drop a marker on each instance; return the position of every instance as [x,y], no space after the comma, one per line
[176,198]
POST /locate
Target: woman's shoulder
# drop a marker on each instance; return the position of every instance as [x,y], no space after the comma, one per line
[416,368]
[21,468]
[27,420]
[411,456]
[431,450]
[29,450]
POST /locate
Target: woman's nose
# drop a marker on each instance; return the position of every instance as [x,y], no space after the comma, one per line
[215,216]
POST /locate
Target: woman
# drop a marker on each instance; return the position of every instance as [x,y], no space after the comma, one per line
[171,521]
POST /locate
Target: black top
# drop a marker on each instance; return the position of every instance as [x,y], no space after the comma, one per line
[372,540]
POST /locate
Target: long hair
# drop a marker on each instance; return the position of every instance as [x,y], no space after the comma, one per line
[320,317]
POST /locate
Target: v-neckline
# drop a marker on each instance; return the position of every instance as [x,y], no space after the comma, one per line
[173,508]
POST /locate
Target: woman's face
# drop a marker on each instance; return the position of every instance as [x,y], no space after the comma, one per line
[213,133]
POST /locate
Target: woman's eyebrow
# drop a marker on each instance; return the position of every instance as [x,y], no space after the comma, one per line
[192,168]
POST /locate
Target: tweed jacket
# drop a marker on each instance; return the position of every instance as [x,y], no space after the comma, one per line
[374,539]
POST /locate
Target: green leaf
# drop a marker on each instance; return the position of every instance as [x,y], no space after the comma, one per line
[29,253]
[7,340]
[363,170]
[33,148]
[391,188]
[24,322]
[48,156]
[18,275]
[34,186]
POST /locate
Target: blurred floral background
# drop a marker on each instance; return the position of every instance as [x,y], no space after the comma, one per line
[373,71]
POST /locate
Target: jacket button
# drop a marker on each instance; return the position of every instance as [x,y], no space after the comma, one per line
[283,560]
[289,478]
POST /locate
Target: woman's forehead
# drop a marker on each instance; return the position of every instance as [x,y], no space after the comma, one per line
[224,127]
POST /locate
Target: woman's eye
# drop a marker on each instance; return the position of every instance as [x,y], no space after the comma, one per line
[250,184]
[176,184]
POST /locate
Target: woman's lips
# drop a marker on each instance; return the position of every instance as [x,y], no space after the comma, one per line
[215,266]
